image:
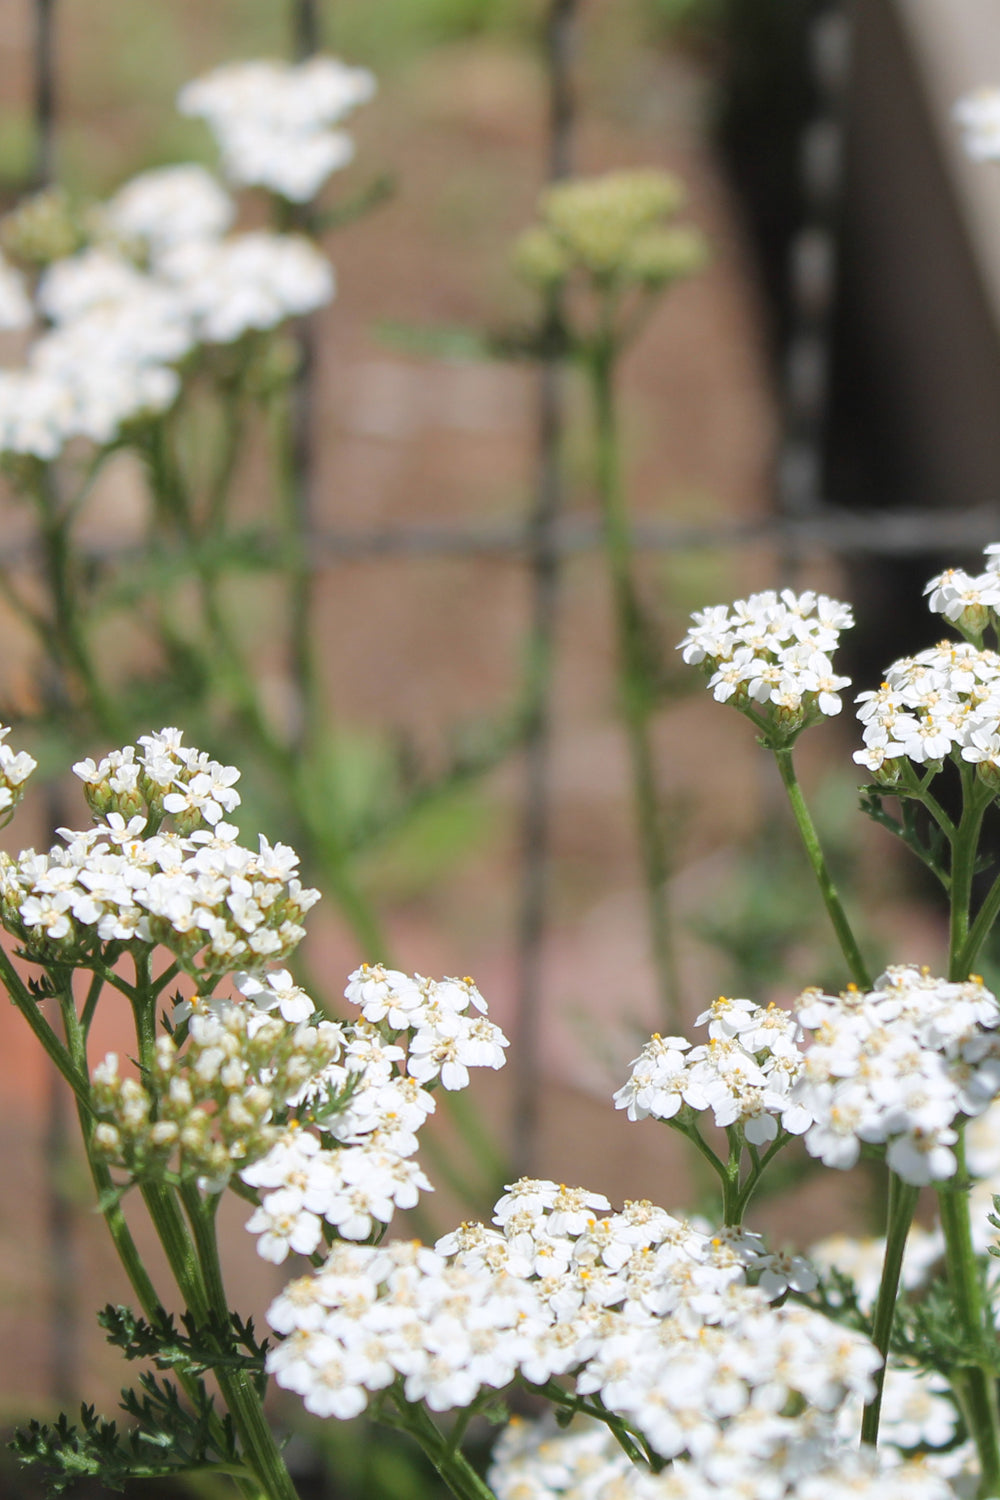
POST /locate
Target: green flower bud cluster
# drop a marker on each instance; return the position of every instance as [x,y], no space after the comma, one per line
[207,1106]
[42,229]
[613,229]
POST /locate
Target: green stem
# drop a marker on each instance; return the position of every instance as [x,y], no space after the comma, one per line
[901,1207]
[189,1270]
[731,1196]
[296,475]
[980,930]
[760,1166]
[238,1387]
[111,1210]
[964,849]
[810,838]
[630,1442]
[453,1467]
[114,1217]
[920,787]
[974,1385]
[691,1132]
[29,1008]
[71,648]
[638,689]
[90,1005]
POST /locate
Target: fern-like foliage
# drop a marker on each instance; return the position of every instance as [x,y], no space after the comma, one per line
[169,1437]
[191,1348]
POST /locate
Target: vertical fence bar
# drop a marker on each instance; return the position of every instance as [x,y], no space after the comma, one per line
[43,164]
[544,564]
[812,272]
[305,29]
[62,1267]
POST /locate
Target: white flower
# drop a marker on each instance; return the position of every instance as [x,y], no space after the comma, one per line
[771,655]
[277,992]
[248,282]
[169,205]
[273,120]
[978,115]
[284,1225]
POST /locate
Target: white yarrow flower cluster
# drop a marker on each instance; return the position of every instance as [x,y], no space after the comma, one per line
[216,905]
[759,1461]
[637,1308]
[121,317]
[446,1041]
[771,655]
[896,1066]
[744,1073]
[247,283]
[357,1170]
[945,701]
[169,206]
[274,121]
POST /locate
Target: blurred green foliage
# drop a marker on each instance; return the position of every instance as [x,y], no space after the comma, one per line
[682,19]
[387,31]
[768,922]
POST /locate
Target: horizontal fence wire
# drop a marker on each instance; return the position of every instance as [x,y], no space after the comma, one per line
[842,532]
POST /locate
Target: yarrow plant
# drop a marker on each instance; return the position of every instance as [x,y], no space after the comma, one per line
[679,1356]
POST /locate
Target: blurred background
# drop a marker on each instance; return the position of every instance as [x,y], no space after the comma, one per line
[818,408]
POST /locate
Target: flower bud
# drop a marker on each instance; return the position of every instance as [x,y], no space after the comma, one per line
[107,1139]
[42,229]
[539,259]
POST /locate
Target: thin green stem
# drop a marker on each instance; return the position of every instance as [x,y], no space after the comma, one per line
[453,1467]
[810,839]
[182,1255]
[30,1010]
[128,1253]
[921,790]
[234,433]
[630,1442]
[636,680]
[979,931]
[238,1387]
[760,1166]
[974,1385]
[70,646]
[161,981]
[964,851]
[109,1203]
[296,482]
[90,1004]
[691,1132]
[731,1196]
[901,1207]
